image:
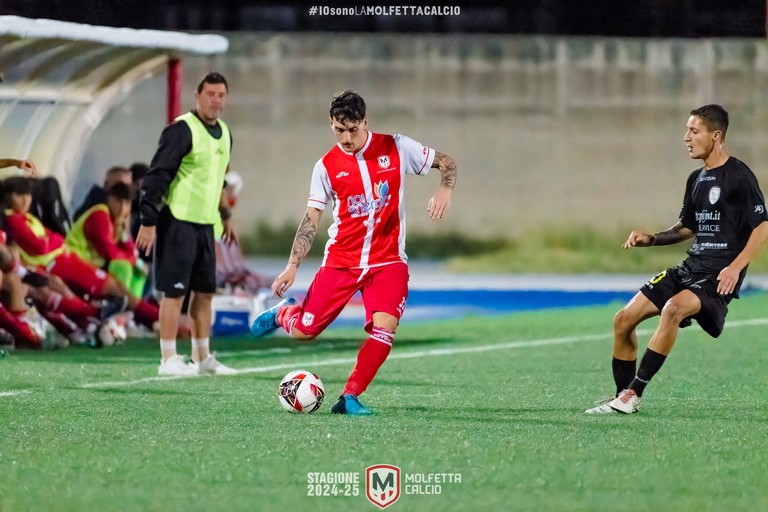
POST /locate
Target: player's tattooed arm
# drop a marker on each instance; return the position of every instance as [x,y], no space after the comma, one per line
[305,235]
[673,235]
[441,201]
[448,169]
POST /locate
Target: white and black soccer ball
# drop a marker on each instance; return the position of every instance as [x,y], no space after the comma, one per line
[112,332]
[301,391]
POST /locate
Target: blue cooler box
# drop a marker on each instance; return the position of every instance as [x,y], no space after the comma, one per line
[233,314]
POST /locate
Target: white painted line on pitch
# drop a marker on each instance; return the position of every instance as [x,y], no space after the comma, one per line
[351,360]
[219,354]
[415,355]
[15,393]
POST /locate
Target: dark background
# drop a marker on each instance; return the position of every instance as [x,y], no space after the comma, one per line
[632,18]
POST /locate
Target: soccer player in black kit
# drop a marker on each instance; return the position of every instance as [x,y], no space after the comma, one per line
[724,209]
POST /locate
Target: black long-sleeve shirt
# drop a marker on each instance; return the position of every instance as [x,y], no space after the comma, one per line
[175,143]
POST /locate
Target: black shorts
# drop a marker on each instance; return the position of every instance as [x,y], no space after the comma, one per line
[185,257]
[672,281]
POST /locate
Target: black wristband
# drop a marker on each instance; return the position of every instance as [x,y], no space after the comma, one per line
[653,239]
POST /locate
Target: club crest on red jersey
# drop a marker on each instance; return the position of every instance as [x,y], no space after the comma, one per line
[383,161]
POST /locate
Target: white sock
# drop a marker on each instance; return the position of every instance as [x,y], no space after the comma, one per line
[167,349]
[200,346]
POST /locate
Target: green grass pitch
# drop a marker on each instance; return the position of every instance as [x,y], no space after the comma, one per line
[498,400]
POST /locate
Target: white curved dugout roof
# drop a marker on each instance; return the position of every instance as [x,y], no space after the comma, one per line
[60,79]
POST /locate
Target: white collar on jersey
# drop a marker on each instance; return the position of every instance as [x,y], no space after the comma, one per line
[365,146]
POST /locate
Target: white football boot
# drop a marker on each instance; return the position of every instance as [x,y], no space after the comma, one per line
[626,402]
[175,366]
[211,366]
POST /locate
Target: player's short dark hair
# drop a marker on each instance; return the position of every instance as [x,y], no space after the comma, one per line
[17,185]
[715,117]
[115,174]
[119,191]
[347,106]
[212,78]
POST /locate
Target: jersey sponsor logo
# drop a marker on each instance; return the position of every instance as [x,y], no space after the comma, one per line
[709,246]
[359,205]
[307,319]
[342,174]
[381,189]
[706,215]
[707,178]
[714,195]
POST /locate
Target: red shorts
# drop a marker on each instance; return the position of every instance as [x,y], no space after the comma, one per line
[79,275]
[384,290]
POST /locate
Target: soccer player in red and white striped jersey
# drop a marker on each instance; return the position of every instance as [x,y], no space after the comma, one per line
[362,181]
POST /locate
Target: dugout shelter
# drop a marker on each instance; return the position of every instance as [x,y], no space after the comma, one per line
[60,80]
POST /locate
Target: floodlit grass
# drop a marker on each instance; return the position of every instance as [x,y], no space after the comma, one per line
[93,430]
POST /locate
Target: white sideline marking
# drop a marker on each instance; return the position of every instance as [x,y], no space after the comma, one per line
[219,355]
[400,355]
[15,393]
[415,354]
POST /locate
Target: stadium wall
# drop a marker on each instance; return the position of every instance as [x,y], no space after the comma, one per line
[548,131]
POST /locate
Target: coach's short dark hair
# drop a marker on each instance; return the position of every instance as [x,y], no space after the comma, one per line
[715,117]
[347,106]
[120,191]
[212,78]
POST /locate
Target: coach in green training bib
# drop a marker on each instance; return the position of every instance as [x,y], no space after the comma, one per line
[179,206]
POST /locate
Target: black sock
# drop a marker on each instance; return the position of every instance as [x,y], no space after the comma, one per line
[623,373]
[649,365]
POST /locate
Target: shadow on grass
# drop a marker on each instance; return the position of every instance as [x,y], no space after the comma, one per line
[481,414]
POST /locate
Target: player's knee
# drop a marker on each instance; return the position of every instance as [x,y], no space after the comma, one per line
[674,311]
[623,321]
[385,321]
[302,336]
[7,261]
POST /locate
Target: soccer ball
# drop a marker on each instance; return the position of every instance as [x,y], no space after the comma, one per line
[112,332]
[301,391]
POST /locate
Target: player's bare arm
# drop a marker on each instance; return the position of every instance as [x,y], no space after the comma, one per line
[729,276]
[673,235]
[305,235]
[25,165]
[302,243]
[441,201]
